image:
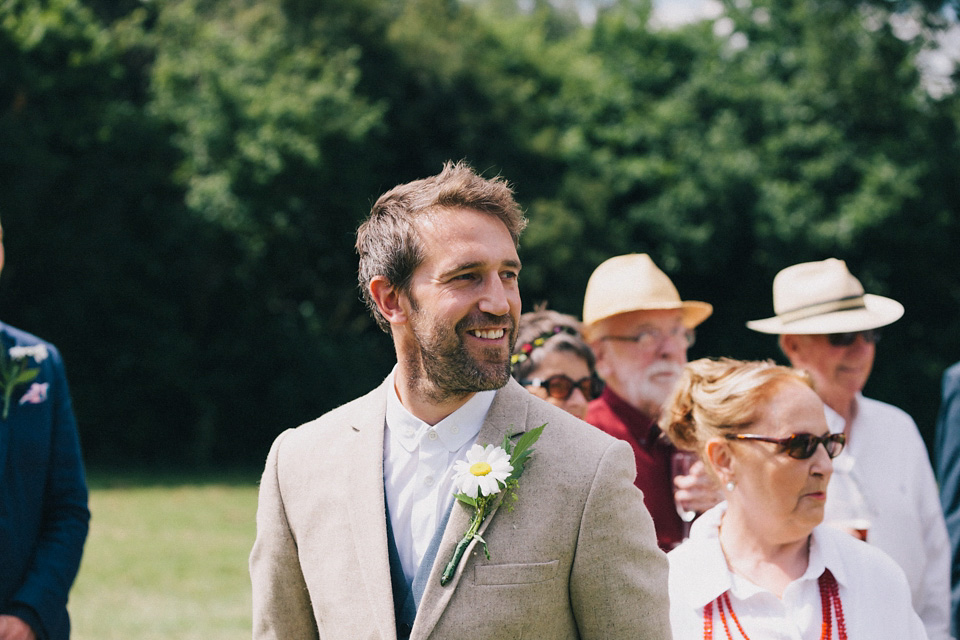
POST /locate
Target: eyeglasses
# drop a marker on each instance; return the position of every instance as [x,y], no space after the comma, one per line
[800,445]
[871,336]
[648,339]
[561,387]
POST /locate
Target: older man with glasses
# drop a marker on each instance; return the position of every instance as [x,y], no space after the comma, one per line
[828,326]
[640,330]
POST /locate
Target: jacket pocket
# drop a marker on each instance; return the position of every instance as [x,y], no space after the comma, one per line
[504,574]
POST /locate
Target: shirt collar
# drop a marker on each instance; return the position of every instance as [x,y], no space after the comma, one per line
[836,424]
[835,421]
[640,425]
[824,555]
[702,550]
[715,576]
[454,431]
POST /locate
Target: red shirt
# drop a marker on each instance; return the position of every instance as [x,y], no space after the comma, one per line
[652,451]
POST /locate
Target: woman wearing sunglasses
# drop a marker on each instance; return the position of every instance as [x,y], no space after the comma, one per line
[553,362]
[759,565]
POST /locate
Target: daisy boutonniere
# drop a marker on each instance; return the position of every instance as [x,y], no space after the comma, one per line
[14,371]
[480,478]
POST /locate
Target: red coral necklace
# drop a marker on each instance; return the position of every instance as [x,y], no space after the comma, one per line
[829,603]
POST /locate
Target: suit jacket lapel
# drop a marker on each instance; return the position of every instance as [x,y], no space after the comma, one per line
[507,416]
[6,341]
[367,508]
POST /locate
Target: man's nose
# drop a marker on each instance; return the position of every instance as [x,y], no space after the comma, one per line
[673,344]
[496,297]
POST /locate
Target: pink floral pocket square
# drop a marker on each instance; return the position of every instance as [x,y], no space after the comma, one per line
[36,394]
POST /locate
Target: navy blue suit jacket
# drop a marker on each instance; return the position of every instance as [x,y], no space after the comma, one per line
[43,495]
[948,474]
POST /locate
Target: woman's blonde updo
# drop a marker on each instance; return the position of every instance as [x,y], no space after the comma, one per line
[715,396]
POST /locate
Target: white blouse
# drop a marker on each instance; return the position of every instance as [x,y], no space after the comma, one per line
[873,590]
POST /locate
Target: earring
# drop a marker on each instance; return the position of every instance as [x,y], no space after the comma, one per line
[730,486]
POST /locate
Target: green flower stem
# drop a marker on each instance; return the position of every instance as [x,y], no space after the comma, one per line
[12,371]
[7,394]
[478,518]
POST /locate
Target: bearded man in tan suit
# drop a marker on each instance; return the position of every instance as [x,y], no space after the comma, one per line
[356,519]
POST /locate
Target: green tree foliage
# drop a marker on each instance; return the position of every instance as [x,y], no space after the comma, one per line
[180,183]
[90,217]
[800,132]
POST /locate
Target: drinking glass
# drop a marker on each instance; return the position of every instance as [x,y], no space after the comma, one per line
[680,465]
[847,508]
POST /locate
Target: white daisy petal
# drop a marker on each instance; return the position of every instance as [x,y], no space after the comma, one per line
[475,454]
[483,473]
[487,484]
[471,485]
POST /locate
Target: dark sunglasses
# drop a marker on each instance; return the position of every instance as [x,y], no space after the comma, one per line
[846,339]
[561,386]
[800,445]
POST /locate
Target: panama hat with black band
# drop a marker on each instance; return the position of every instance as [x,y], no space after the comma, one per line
[824,298]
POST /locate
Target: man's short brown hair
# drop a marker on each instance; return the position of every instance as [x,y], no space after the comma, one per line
[388,242]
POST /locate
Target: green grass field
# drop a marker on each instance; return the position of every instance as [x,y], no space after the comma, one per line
[166,558]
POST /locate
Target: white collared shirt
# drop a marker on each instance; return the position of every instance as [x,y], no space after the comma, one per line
[873,590]
[888,459]
[417,469]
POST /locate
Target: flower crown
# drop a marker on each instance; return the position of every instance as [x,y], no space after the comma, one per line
[527,347]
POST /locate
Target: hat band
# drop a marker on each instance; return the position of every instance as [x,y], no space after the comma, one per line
[843,304]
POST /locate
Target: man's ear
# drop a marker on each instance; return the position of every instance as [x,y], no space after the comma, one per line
[390,301]
[601,363]
[789,345]
[599,347]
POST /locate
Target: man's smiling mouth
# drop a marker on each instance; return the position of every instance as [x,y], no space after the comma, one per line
[488,334]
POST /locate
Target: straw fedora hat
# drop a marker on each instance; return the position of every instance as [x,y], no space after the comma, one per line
[633,283]
[824,297]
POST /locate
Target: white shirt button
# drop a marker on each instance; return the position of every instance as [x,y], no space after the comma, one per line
[432,434]
[428,481]
[454,429]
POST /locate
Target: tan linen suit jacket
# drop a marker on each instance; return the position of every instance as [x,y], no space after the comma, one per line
[575,558]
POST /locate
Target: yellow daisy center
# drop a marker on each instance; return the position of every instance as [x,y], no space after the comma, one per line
[480,468]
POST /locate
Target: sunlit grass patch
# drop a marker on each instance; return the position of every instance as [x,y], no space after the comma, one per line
[166,558]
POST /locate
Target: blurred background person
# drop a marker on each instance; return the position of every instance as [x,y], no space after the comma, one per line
[829,327]
[43,490]
[948,473]
[553,362]
[759,561]
[640,330]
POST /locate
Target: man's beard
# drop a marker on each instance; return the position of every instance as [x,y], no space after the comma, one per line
[443,367]
[647,394]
